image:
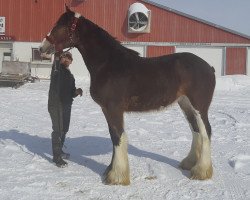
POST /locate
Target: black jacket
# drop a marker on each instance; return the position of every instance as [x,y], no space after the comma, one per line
[62,85]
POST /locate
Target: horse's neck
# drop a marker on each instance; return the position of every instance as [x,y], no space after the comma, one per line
[93,59]
[94,49]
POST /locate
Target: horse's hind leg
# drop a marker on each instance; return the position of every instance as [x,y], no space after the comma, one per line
[190,115]
[118,170]
[199,157]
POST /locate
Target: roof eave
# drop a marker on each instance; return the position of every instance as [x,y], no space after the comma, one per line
[196,18]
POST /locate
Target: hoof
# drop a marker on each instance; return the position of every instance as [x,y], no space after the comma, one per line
[116,177]
[186,164]
[198,173]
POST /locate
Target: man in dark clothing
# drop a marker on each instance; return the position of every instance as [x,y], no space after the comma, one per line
[61,93]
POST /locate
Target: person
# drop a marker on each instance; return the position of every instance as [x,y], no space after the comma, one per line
[61,93]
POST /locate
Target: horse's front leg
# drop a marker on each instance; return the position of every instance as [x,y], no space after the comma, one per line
[118,170]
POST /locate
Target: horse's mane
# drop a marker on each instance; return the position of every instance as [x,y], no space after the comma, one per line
[93,29]
[107,38]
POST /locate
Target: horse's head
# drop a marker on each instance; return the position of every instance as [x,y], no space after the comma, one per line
[63,34]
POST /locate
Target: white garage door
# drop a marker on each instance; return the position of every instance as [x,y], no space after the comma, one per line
[139,49]
[214,56]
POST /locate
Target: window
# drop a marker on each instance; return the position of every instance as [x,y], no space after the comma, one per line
[36,56]
[6,56]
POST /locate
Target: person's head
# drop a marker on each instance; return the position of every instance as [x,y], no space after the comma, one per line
[66,59]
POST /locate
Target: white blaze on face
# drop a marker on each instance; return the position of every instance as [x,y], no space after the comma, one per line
[45,45]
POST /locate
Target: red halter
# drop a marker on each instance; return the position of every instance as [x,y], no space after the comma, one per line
[72,30]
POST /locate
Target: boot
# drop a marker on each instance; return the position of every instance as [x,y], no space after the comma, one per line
[57,150]
[59,162]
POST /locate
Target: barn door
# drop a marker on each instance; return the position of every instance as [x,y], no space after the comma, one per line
[5,53]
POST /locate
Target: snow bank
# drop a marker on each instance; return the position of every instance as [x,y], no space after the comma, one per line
[232,82]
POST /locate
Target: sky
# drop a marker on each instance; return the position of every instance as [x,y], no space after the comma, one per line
[231,14]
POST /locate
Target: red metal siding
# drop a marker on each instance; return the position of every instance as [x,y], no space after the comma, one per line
[236,61]
[27,20]
[166,26]
[170,27]
[108,14]
[153,51]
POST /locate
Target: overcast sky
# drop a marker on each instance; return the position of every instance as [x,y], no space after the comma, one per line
[232,14]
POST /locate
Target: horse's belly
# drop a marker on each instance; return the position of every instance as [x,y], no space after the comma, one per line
[146,103]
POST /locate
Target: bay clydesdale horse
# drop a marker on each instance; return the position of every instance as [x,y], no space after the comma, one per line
[122,81]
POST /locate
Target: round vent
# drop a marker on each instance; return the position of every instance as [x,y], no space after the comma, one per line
[138,21]
[138,18]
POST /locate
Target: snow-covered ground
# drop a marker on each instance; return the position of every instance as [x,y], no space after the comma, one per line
[158,141]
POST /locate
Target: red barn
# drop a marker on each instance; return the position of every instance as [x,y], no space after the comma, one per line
[143,25]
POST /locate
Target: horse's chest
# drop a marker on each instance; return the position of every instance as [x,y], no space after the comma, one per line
[94,92]
[97,93]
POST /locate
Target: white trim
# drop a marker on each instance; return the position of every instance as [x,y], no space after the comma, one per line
[248,62]
[186,44]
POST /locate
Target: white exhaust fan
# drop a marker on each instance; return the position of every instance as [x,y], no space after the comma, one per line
[139,18]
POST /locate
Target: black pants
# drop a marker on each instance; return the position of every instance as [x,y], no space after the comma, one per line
[60,117]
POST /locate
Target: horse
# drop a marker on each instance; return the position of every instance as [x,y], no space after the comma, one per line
[122,81]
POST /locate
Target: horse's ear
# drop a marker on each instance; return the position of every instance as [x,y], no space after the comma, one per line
[67,8]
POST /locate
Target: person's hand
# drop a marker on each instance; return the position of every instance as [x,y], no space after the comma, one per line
[79,91]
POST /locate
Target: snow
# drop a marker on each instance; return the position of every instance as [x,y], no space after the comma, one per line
[158,141]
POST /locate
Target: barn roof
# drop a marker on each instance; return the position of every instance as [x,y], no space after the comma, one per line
[195,18]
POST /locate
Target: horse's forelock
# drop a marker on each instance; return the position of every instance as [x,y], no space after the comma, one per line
[65,18]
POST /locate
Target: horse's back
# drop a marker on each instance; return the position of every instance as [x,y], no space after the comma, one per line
[173,68]
[186,67]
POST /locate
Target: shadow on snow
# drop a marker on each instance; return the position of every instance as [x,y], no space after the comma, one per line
[81,149]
